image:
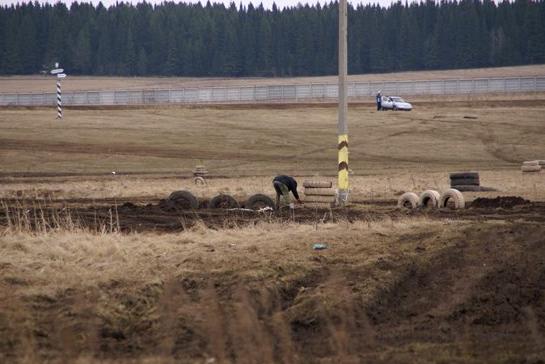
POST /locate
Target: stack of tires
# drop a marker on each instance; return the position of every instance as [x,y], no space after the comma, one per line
[431,199]
[319,194]
[465,181]
[199,173]
[532,166]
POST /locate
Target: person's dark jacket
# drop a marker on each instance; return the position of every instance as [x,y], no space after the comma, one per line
[289,182]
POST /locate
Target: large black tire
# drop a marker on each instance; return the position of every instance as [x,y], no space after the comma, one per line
[183,200]
[464,175]
[465,179]
[468,188]
[223,201]
[465,182]
[259,201]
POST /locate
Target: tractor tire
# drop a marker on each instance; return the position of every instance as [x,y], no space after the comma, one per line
[183,200]
[530,168]
[454,196]
[408,200]
[429,199]
[223,201]
[259,201]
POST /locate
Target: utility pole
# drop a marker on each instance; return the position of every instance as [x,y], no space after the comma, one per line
[342,127]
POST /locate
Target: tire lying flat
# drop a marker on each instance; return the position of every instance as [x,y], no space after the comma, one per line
[465,182]
[531,168]
[464,179]
[468,188]
[317,184]
[464,175]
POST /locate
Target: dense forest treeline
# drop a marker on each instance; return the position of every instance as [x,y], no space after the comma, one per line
[215,40]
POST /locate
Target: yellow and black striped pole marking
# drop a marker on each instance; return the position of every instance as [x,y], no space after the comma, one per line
[59,102]
[342,182]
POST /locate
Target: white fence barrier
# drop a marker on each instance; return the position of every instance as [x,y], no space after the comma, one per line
[277,93]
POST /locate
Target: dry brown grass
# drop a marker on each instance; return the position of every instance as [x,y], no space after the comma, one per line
[79,259]
[389,152]
[89,286]
[262,141]
[141,189]
[256,294]
[46,84]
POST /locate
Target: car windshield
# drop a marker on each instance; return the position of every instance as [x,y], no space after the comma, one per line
[398,99]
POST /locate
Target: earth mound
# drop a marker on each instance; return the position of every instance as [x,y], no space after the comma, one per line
[500,201]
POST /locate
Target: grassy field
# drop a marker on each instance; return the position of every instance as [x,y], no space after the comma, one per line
[150,149]
[23,84]
[392,287]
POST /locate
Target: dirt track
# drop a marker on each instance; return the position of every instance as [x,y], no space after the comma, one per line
[158,216]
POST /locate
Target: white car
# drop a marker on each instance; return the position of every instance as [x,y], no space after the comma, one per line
[395,103]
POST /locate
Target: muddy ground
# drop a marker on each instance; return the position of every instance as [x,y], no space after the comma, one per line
[131,215]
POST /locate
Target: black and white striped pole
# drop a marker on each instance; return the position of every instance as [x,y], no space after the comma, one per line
[60,75]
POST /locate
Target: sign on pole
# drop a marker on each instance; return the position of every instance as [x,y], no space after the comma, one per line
[60,75]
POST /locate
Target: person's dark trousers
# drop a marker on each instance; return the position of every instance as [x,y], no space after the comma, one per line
[281,192]
[378,106]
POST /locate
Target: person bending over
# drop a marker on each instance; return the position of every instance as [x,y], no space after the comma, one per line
[283,185]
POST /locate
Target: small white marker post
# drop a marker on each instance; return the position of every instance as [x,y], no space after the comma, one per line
[60,75]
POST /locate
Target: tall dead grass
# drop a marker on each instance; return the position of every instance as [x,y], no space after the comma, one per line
[203,294]
[40,217]
[253,294]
